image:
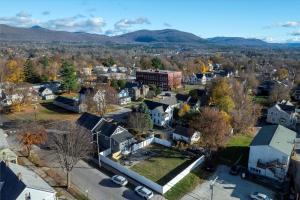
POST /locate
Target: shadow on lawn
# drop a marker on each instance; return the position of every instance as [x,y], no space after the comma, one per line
[53,108]
[169,176]
[231,155]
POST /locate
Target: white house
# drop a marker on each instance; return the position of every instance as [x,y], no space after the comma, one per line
[161,114]
[123,97]
[46,93]
[283,113]
[187,135]
[270,152]
[6,154]
[18,182]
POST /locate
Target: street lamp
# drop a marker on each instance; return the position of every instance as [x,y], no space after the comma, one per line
[211,185]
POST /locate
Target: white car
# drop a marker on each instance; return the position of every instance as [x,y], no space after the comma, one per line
[144,192]
[259,196]
[120,180]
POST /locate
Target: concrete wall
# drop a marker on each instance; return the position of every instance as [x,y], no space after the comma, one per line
[147,182]
[182,174]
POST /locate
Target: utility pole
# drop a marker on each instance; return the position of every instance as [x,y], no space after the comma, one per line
[211,185]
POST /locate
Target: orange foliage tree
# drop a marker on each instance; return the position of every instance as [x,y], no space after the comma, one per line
[32,134]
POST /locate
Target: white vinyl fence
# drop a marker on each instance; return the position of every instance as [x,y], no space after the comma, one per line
[149,183]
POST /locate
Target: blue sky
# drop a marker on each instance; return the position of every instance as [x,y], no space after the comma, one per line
[271,20]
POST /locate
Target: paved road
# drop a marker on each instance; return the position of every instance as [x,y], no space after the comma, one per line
[227,187]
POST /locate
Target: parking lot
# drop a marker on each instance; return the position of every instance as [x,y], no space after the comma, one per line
[227,187]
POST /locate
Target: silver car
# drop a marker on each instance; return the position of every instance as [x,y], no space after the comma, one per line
[144,192]
[120,180]
[259,196]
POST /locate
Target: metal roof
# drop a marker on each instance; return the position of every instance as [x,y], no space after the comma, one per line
[276,136]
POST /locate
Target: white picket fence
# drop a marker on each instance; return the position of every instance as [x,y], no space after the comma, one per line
[149,183]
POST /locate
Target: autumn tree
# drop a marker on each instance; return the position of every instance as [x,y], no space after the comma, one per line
[282,74]
[69,77]
[221,95]
[101,97]
[213,126]
[32,134]
[13,72]
[184,109]
[245,113]
[70,143]
[278,93]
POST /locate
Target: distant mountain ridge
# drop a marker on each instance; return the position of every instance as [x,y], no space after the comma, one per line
[143,37]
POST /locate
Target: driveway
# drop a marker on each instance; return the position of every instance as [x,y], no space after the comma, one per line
[227,187]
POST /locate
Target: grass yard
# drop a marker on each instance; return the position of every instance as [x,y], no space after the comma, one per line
[163,167]
[187,184]
[44,111]
[236,148]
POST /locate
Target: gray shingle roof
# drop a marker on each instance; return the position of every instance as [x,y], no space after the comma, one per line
[276,136]
[12,186]
[88,120]
[184,131]
[122,136]
[106,128]
[154,104]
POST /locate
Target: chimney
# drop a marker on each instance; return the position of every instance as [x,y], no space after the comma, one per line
[19,176]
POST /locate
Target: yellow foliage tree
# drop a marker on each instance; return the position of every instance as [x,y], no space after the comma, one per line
[14,72]
[221,95]
[185,108]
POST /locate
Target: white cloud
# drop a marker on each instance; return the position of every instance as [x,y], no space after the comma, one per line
[290,24]
[294,39]
[124,25]
[76,23]
[21,19]
[295,33]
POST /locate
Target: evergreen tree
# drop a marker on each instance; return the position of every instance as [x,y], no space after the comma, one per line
[30,74]
[69,78]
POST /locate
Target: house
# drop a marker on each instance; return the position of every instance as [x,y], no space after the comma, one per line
[73,105]
[6,154]
[193,102]
[84,92]
[123,97]
[191,79]
[87,71]
[283,113]
[270,152]
[46,93]
[136,90]
[107,134]
[185,134]
[19,183]
[201,77]
[160,113]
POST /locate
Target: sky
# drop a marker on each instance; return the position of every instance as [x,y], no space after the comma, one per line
[270,20]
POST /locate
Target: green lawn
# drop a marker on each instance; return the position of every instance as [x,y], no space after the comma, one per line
[187,184]
[162,167]
[236,149]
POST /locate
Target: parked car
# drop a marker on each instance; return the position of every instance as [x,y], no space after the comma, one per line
[235,169]
[120,180]
[259,196]
[144,192]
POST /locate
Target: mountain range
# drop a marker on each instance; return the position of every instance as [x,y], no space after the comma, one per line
[144,37]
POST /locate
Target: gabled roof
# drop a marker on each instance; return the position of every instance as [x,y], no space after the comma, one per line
[276,136]
[154,104]
[15,178]
[67,101]
[182,97]
[289,108]
[106,128]
[122,136]
[86,90]
[43,88]
[184,131]
[88,120]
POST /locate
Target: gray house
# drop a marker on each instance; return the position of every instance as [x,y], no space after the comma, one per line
[107,134]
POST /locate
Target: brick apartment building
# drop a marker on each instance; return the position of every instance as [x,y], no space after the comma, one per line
[164,79]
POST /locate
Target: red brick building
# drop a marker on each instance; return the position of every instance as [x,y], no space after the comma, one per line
[164,79]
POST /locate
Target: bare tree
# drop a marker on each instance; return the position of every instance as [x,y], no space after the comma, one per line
[278,93]
[71,143]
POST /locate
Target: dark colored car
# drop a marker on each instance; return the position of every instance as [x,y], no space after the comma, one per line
[209,166]
[235,169]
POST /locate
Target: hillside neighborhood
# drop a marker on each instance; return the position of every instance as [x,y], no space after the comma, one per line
[91,112]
